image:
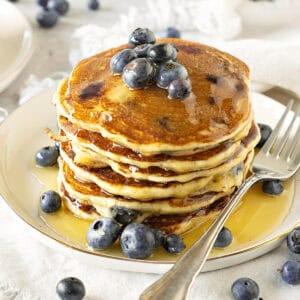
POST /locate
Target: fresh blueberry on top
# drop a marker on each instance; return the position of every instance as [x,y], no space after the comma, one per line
[121,59]
[102,233]
[245,289]
[224,238]
[93,4]
[272,187]
[141,36]
[61,6]
[290,272]
[142,50]
[123,215]
[47,18]
[179,89]
[168,72]
[42,3]
[265,132]
[47,156]
[139,73]
[170,32]
[293,240]
[162,52]
[159,237]
[70,288]
[137,241]
[174,244]
[50,201]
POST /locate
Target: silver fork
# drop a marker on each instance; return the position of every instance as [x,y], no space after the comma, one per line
[279,158]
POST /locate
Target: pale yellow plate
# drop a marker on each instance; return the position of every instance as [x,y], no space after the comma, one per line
[258,225]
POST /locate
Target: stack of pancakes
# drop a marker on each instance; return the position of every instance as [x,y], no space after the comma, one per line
[175,162]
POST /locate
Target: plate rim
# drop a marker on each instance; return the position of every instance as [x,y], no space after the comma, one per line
[264,242]
[25,54]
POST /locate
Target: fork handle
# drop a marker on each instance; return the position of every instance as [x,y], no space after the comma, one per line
[176,283]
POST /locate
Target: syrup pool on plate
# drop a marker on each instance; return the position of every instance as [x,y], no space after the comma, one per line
[255,218]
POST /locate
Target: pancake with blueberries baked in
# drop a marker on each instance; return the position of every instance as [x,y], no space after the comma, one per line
[163,132]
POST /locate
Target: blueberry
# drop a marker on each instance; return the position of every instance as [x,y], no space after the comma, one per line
[42,3]
[291,272]
[272,187]
[141,36]
[245,289]
[162,52]
[265,132]
[123,215]
[224,238]
[142,50]
[50,201]
[57,146]
[60,6]
[159,237]
[168,72]
[137,241]
[174,244]
[70,288]
[93,4]
[170,32]
[139,73]
[179,89]
[47,156]
[121,59]
[102,233]
[293,240]
[47,18]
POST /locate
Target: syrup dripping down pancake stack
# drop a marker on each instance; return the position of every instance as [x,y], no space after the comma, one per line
[174,162]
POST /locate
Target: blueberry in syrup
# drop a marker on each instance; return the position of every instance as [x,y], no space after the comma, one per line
[123,215]
[137,241]
[121,59]
[179,89]
[162,52]
[47,156]
[272,187]
[70,288]
[102,233]
[224,238]
[174,244]
[139,73]
[50,202]
[159,236]
[141,36]
[168,72]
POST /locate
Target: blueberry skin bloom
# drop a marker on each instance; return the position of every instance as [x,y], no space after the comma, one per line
[141,36]
[174,244]
[70,288]
[168,72]
[47,18]
[245,289]
[121,59]
[171,32]
[291,272]
[293,240]
[272,187]
[137,241]
[50,202]
[179,89]
[162,52]
[47,156]
[224,238]
[265,132]
[60,6]
[139,73]
[123,215]
[102,233]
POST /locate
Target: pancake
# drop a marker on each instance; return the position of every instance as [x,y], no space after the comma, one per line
[146,120]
